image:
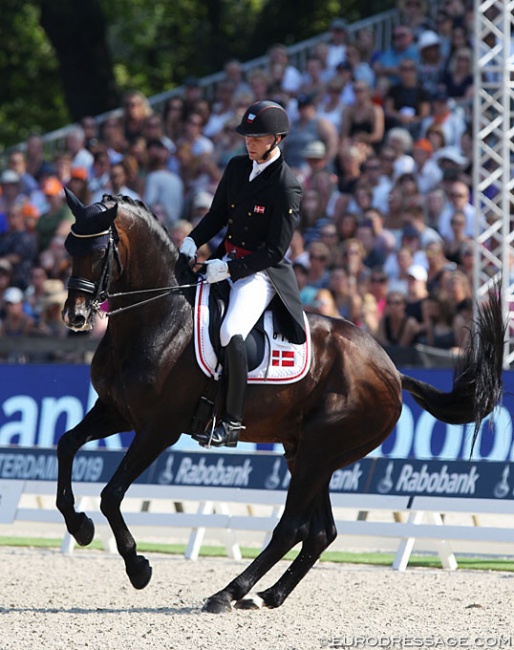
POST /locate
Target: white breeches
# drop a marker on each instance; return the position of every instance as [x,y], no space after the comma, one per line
[249,297]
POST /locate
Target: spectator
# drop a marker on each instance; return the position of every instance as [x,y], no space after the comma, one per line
[328,236]
[136,109]
[402,47]
[288,77]
[435,135]
[5,283]
[316,174]
[431,64]
[55,259]
[324,304]
[153,129]
[193,93]
[378,287]
[35,292]
[162,187]
[396,267]
[353,254]
[313,82]
[113,137]
[459,242]
[458,287]
[90,127]
[117,184]
[259,81]
[438,321]
[394,212]
[427,172]
[10,195]
[15,323]
[451,122]
[18,247]
[346,225]
[414,216]
[99,176]
[365,40]
[462,324]
[347,166]
[57,220]
[379,183]
[173,115]
[180,230]
[337,43]
[62,162]
[414,14]
[75,145]
[18,163]
[361,69]
[319,275]
[417,292]
[385,240]
[435,202]
[458,79]
[401,141]
[407,103]
[222,110]
[79,185]
[37,164]
[396,327]
[363,121]
[199,206]
[466,259]
[459,198]
[347,299]
[296,252]
[373,256]
[444,29]
[369,318]
[234,74]
[331,105]
[308,128]
[438,265]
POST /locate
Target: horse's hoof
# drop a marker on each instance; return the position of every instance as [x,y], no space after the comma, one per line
[85,532]
[141,575]
[216,605]
[253,601]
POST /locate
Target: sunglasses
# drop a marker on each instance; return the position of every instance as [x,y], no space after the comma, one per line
[320,258]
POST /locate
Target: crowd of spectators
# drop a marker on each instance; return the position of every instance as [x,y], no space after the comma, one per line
[380,141]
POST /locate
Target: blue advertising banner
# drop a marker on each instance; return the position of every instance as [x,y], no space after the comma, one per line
[267,471]
[38,403]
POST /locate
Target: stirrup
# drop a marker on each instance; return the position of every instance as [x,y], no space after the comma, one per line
[224,434]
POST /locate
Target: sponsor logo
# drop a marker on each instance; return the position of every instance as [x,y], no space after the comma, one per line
[346,480]
[222,473]
[43,467]
[438,482]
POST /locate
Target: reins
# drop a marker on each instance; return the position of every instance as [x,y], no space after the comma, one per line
[166,291]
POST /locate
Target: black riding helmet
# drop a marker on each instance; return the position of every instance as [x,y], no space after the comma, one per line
[264,118]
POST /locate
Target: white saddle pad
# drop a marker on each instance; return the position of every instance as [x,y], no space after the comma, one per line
[283,362]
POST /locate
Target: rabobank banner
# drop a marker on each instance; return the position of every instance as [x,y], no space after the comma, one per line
[267,471]
[38,403]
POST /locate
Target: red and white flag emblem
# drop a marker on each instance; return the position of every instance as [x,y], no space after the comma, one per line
[259,209]
[284,358]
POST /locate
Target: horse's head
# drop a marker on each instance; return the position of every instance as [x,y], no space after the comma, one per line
[92,245]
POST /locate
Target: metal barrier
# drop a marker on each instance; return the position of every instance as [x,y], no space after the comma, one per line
[415,494]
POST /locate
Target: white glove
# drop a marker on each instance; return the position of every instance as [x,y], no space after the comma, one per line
[217,270]
[188,248]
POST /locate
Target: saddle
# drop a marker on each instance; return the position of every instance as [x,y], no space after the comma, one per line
[271,357]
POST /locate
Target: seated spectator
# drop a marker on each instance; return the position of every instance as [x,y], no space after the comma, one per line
[162,187]
[347,167]
[313,81]
[337,43]
[385,240]
[373,255]
[431,62]
[415,14]
[438,265]
[229,143]
[427,172]
[458,79]
[459,201]
[378,287]
[37,164]
[435,135]
[460,242]
[458,287]
[136,108]
[10,195]
[324,304]
[451,122]
[18,247]
[346,296]
[353,254]
[35,292]
[331,105]
[319,275]
[401,141]
[369,317]
[307,292]
[180,230]
[312,215]
[407,103]
[398,272]
[396,327]
[363,121]
[58,219]
[79,185]
[289,78]
[113,137]
[417,292]
[379,183]
[55,259]
[438,315]
[15,322]
[361,69]
[403,47]
[17,161]
[316,173]
[75,145]
[223,109]
[414,216]
[173,113]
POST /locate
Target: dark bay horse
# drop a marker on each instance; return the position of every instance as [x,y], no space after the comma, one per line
[147,380]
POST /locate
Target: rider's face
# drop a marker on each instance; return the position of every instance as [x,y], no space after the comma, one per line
[257,146]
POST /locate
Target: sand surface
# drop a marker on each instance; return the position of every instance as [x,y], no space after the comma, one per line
[49,601]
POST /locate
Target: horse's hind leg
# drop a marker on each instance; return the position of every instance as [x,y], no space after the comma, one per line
[293,527]
[100,422]
[322,532]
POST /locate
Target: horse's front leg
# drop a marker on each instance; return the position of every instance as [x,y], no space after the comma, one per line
[100,422]
[139,456]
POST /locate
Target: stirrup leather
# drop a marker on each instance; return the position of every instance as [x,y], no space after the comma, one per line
[224,434]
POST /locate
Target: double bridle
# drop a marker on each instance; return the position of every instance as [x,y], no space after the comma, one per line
[99,289]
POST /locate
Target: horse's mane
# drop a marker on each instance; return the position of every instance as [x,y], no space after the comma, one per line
[139,209]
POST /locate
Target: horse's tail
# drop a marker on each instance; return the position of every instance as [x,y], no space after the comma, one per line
[477,382]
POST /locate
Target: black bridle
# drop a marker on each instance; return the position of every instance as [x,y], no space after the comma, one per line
[99,290]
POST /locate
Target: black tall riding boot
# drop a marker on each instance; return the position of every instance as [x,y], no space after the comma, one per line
[227,431]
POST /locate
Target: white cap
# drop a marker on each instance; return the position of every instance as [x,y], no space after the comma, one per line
[427,39]
[418,272]
[13,295]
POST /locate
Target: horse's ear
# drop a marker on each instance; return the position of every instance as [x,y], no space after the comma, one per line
[75,205]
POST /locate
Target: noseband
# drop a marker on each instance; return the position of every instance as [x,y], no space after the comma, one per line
[99,289]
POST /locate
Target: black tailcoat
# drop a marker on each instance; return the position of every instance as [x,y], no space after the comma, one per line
[260,217]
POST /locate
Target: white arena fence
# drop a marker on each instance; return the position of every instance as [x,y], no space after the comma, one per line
[417,496]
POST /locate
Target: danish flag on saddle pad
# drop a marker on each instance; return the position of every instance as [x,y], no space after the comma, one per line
[259,209]
[283,362]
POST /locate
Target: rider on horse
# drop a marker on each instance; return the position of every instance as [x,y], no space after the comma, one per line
[258,201]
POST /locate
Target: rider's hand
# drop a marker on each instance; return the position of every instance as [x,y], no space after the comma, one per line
[188,248]
[217,270]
